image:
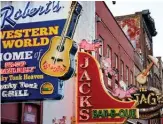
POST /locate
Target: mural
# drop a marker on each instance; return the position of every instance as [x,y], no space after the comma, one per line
[131,27]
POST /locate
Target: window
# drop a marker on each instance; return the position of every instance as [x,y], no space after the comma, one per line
[116,66]
[116,61]
[101,48]
[131,77]
[122,70]
[109,51]
[127,75]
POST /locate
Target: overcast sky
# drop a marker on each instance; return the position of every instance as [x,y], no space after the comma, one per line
[156,9]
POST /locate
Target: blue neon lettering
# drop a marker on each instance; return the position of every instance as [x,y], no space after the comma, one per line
[41,10]
[57,7]
[33,12]
[47,8]
[17,14]
[9,16]
[6,14]
[26,10]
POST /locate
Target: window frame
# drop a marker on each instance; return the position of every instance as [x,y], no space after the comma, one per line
[127,75]
[131,77]
[101,49]
[122,70]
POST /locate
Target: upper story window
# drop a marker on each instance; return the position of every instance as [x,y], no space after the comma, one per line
[99,53]
[116,61]
[127,75]
[109,51]
[101,48]
[122,70]
[131,77]
[116,66]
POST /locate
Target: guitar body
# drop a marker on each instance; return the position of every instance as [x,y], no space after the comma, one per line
[142,78]
[58,63]
[59,60]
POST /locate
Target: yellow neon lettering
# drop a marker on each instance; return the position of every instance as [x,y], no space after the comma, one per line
[8,43]
[10,34]
[53,30]
[35,32]
[26,32]
[43,31]
[18,34]
[18,43]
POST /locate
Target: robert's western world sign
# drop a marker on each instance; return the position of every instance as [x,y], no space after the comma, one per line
[27,32]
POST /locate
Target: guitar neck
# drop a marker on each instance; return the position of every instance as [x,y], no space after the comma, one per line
[72,20]
[148,68]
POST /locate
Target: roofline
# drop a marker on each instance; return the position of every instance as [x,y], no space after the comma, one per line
[118,25]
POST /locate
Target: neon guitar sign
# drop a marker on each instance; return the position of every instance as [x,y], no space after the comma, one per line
[58,61]
[142,77]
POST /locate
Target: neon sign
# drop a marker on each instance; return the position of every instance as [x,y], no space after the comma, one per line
[115,113]
[93,101]
[10,15]
[148,97]
[25,37]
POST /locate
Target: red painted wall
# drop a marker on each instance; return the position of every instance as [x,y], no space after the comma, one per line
[14,112]
[115,38]
[9,113]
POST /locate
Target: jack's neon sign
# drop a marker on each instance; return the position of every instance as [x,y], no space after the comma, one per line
[93,102]
[10,16]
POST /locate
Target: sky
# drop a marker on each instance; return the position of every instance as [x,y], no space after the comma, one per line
[155,7]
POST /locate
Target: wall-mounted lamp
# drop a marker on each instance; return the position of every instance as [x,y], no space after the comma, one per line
[97,40]
[98,19]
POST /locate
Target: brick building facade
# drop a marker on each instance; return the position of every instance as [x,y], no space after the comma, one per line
[115,46]
[140,28]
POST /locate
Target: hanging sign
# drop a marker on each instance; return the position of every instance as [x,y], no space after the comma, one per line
[27,33]
[94,103]
[148,97]
[149,102]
